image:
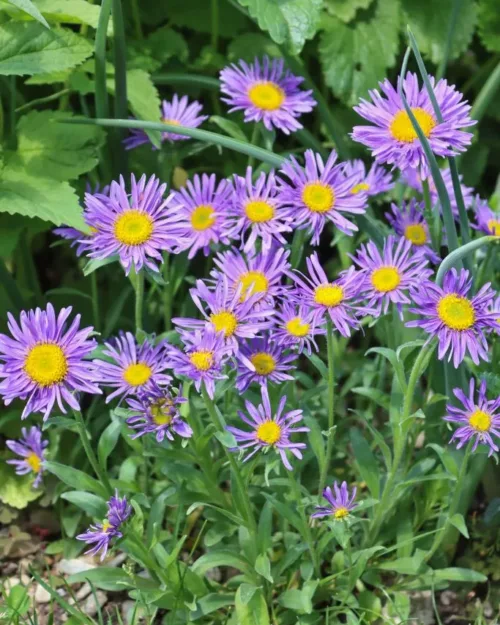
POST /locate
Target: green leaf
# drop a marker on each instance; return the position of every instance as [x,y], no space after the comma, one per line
[16,490]
[18,601]
[75,478]
[356,57]
[70,12]
[455,574]
[392,357]
[229,127]
[288,21]
[143,99]
[250,45]
[263,567]
[29,48]
[429,22]
[107,442]
[345,10]
[28,7]
[366,461]
[488,17]
[196,14]
[458,521]
[50,149]
[222,557]
[23,194]
[404,566]
[110,578]
[252,612]
[93,505]
[299,600]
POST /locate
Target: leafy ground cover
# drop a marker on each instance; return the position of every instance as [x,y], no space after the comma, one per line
[249,311]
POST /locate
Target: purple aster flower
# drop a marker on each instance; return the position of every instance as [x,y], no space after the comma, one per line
[393,139]
[376,181]
[269,360]
[266,92]
[101,534]
[31,448]
[258,275]
[341,503]
[340,299]
[179,112]
[296,327]
[200,210]
[319,192]
[389,275]
[135,227]
[202,359]
[45,361]
[269,431]
[479,419]
[256,211]
[408,221]
[413,179]
[134,367]
[156,411]
[458,321]
[487,220]
[225,312]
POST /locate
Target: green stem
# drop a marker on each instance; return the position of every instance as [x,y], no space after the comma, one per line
[167,292]
[103,478]
[453,259]
[457,493]
[457,4]
[101,91]
[49,98]
[121,106]
[253,141]
[399,441]
[137,20]
[433,220]
[298,241]
[306,530]
[330,348]
[486,95]
[212,412]
[139,299]
[95,300]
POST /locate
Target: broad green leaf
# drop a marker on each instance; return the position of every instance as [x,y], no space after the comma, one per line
[70,12]
[109,578]
[253,612]
[26,6]
[222,557]
[16,490]
[345,10]
[160,46]
[93,505]
[23,194]
[356,57]
[404,566]
[288,21]
[75,478]
[429,22]
[455,574]
[107,442]
[458,521]
[263,567]
[366,461]
[29,48]
[299,600]
[143,99]
[51,149]
[18,600]
[488,18]
[196,15]
[250,45]
[50,78]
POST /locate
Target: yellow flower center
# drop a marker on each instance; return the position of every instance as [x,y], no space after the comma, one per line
[267,96]
[224,322]
[494,227]
[46,364]
[202,359]
[173,122]
[401,127]
[456,312]
[264,363]
[160,411]
[259,211]
[252,282]
[35,462]
[480,421]
[269,432]
[133,227]
[297,327]
[328,295]
[318,197]
[341,513]
[416,234]
[203,217]
[106,525]
[137,374]
[362,186]
[385,279]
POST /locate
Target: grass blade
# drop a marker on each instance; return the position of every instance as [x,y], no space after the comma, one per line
[101,93]
[121,104]
[457,5]
[486,95]
[454,257]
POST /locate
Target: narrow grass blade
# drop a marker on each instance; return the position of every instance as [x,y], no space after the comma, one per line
[487,94]
[453,259]
[186,79]
[444,200]
[101,93]
[457,5]
[121,104]
[206,136]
